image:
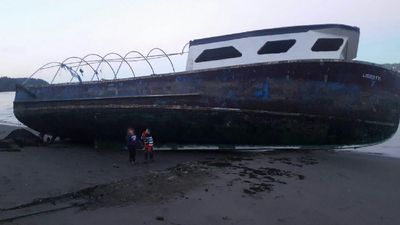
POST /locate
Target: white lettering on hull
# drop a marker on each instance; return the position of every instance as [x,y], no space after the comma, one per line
[371,77]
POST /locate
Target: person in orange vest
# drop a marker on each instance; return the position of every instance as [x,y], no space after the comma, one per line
[148,141]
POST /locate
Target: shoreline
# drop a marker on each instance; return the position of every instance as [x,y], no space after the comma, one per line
[5,129]
[5,123]
[211,187]
[377,150]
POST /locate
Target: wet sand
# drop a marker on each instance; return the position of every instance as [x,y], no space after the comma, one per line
[71,184]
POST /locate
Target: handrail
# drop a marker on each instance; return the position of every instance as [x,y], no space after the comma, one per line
[73,67]
[62,63]
[173,68]
[115,74]
[130,52]
[33,74]
[184,47]
[96,73]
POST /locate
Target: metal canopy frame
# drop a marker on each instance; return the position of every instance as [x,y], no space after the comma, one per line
[74,64]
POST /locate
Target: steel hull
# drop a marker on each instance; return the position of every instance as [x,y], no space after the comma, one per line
[300,103]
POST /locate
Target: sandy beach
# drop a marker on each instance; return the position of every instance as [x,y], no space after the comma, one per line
[72,184]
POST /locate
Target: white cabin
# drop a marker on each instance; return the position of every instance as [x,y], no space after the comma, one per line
[327,41]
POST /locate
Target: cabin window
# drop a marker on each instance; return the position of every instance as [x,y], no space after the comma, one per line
[218,54]
[327,44]
[274,47]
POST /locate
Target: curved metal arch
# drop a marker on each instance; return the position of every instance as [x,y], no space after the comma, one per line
[41,68]
[184,47]
[159,49]
[94,54]
[96,72]
[123,60]
[130,52]
[73,57]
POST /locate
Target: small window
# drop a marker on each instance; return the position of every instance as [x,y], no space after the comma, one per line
[273,47]
[327,45]
[218,53]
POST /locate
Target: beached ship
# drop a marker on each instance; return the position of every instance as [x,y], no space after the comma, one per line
[291,86]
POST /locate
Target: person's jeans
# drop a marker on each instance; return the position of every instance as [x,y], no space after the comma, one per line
[132,153]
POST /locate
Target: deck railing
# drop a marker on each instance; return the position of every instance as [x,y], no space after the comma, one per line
[75,64]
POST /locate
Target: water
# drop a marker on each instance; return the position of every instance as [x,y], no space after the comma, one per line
[6,109]
[389,148]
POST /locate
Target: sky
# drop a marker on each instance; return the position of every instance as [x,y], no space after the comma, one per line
[33,33]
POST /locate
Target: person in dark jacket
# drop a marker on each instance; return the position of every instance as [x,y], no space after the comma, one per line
[131,143]
[148,141]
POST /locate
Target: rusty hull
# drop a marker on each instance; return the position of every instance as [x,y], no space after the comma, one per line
[298,103]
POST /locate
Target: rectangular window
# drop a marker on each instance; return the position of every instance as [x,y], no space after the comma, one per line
[327,45]
[218,54]
[274,47]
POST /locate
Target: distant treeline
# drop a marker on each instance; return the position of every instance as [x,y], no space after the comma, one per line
[393,66]
[8,84]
